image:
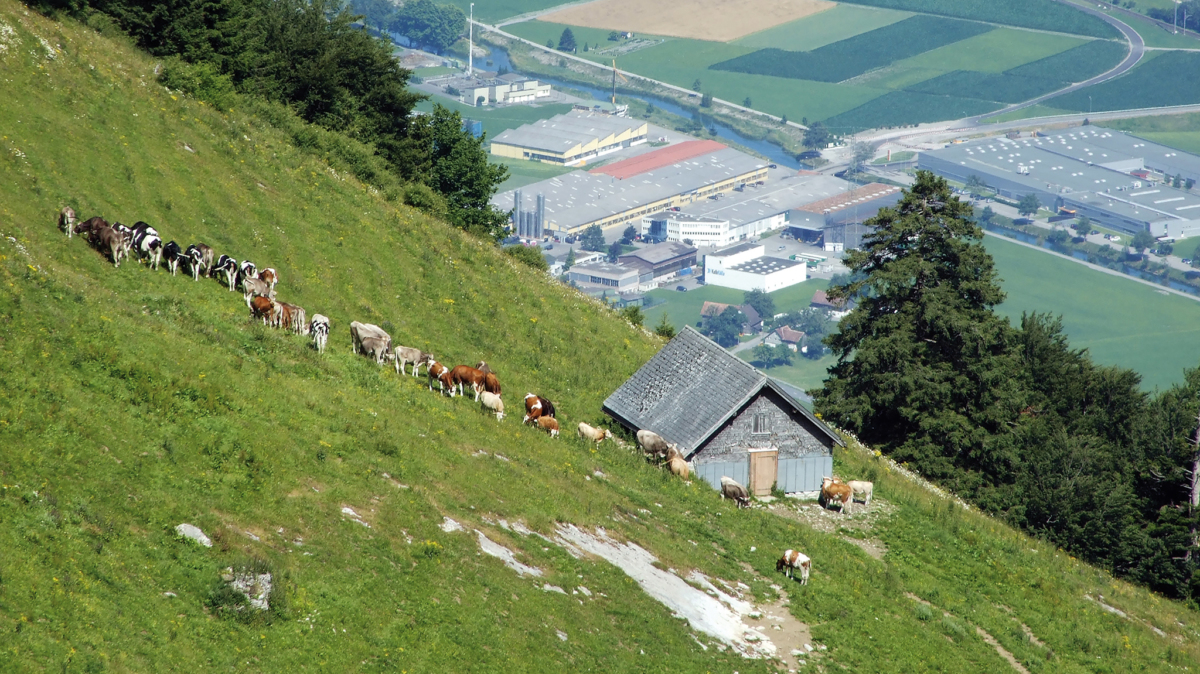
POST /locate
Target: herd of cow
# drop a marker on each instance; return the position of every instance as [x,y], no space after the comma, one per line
[118,241]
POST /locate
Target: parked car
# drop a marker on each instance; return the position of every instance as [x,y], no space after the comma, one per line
[682,289]
[781,248]
[1186,260]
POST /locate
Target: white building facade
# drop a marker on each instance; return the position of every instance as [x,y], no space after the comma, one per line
[704,230]
[745,267]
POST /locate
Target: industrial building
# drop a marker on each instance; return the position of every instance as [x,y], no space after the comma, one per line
[745,266]
[508,88]
[746,212]
[1088,170]
[570,139]
[614,278]
[838,219]
[622,193]
[661,260]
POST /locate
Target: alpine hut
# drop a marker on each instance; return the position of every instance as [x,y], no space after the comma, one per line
[726,417]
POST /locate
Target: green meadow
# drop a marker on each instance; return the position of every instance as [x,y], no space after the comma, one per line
[1177,131]
[135,401]
[832,25]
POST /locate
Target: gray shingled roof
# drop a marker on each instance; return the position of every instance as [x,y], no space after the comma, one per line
[689,389]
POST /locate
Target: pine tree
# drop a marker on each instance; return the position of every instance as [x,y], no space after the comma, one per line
[567,41]
[922,364]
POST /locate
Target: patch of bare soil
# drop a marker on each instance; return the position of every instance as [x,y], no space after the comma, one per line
[719,20]
[855,528]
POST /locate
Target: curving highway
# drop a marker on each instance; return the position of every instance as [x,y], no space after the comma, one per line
[1137,47]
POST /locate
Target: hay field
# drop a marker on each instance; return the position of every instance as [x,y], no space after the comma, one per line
[716,20]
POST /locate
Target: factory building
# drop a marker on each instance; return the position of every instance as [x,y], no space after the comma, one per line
[745,266]
[838,219]
[509,88]
[624,192]
[1079,170]
[570,139]
[661,260]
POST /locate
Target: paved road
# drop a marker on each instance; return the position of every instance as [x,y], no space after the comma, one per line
[1137,47]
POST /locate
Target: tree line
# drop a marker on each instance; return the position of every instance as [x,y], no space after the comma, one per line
[1010,417]
[316,58]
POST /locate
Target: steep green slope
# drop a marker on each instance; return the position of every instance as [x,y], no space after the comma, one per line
[133,401]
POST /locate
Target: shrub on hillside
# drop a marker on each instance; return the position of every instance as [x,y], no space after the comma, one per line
[202,81]
[530,255]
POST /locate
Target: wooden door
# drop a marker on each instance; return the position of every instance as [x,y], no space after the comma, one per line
[764,465]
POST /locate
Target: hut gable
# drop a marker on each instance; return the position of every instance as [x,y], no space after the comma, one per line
[767,421]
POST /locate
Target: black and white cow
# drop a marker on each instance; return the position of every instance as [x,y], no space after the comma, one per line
[148,246]
[173,254]
[247,270]
[320,332]
[228,266]
[199,259]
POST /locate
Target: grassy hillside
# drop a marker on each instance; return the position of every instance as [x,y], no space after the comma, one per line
[134,401]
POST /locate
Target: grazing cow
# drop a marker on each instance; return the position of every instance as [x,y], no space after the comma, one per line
[679,467]
[270,276]
[148,246]
[536,407]
[465,374]
[596,435]
[482,367]
[299,319]
[836,492]
[141,226]
[110,241]
[861,490]
[408,354]
[548,424]
[794,559]
[126,237]
[320,332]
[377,348]
[360,331]
[654,445]
[194,257]
[730,489]
[287,315]
[206,258]
[228,266]
[264,308]
[492,403]
[88,227]
[172,253]
[490,383]
[256,288]
[66,220]
[439,373]
[246,270]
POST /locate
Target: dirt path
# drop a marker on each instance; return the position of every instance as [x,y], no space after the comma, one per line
[983,634]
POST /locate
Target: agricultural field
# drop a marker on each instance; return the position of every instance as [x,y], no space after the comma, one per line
[1001,88]
[840,23]
[995,51]
[1178,131]
[1075,65]
[541,31]
[1122,322]
[494,11]
[1026,113]
[1169,78]
[1035,14]
[854,56]
[496,120]
[697,19]
[898,108]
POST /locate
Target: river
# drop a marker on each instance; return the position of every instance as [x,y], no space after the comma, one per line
[499,59]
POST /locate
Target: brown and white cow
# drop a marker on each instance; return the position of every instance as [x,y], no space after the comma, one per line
[536,407]
[253,287]
[269,276]
[490,383]
[794,559]
[66,220]
[439,373]
[836,492]
[548,424]
[463,375]
[264,308]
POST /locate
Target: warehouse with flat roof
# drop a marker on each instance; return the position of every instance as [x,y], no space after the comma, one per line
[578,200]
[570,139]
[1076,173]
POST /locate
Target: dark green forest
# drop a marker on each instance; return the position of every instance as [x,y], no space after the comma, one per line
[319,60]
[1010,417]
